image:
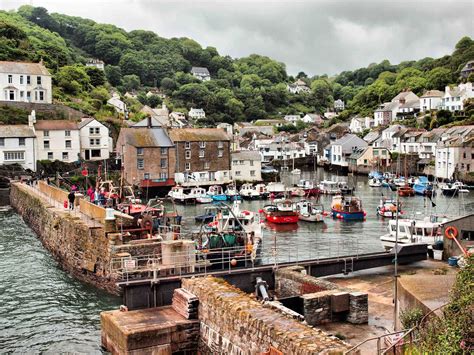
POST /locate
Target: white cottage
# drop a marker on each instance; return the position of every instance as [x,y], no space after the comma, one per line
[246,166]
[18,146]
[25,82]
[454,98]
[57,140]
[431,100]
[95,141]
[196,113]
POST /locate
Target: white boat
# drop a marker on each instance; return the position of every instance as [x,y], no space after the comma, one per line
[400,182]
[217,193]
[200,195]
[232,193]
[295,192]
[296,171]
[452,189]
[388,208]
[329,187]
[375,182]
[306,184]
[309,212]
[250,192]
[276,188]
[181,195]
[413,231]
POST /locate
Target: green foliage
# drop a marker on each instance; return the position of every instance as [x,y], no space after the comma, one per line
[411,317]
[96,76]
[72,79]
[154,101]
[131,82]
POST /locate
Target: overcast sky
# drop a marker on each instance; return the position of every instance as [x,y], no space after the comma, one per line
[318,36]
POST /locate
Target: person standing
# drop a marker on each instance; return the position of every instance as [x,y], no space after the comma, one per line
[71,197]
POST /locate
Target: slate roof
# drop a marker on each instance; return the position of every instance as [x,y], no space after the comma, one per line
[349,141]
[198,135]
[357,153]
[387,106]
[411,104]
[432,93]
[85,122]
[371,136]
[246,155]
[16,131]
[23,68]
[200,71]
[155,122]
[146,137]
[56,125]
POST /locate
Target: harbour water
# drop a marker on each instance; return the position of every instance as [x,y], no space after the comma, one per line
[45,309]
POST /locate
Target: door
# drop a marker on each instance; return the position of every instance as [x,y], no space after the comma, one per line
[88,155]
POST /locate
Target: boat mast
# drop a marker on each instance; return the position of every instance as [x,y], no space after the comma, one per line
[395,275]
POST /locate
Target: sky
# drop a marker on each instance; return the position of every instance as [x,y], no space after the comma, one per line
[314,36]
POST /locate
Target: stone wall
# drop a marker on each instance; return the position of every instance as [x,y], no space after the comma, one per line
[323,301]
[80,249]
[53,111]
[233,322]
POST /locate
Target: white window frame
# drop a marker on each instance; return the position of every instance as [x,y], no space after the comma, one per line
[202,153]
[202,144]
[187,166]
[187,154]
[187,145]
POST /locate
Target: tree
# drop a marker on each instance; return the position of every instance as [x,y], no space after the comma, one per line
[438,78]
[168,85]
[114,75]
[154,101]
[96,75]
[73,79]
[131,82]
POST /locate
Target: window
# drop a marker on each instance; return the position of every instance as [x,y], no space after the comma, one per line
[21,142]
[235,162]
[21,79]
[202,176]
[187,145]
[11,95]
[28,95]
[140,164]
[22,94]
[220,153]
[91,141]
[46,144]
[206,165]
[164,163]
[50,155]
[95,153]
[163,151]
[187,154]
[10,79]
[95,141]
[67,133]
[202,144]
[146,176]
[251,162]
[237,173]
[139,151]
[28,80]
[252,172]
[467,235]
[164,175]
[68,144]
[94,130]
[46,133]
[65,155]
[38,80]
[220,144]
[14,156]
[187,166]
[464,155]
[41,95]
[201,153]
[2,142]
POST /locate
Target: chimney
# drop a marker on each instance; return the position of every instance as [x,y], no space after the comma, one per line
[32,119]
[148,121]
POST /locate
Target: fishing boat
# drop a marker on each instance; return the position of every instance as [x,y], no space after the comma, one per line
[216,193]
[200,195]
[232,193]
[309,187]
[182,195]
[250,192]
[347,208]
[422,186]
[406,191]
[453,189]
[345,188]
[388,208]
[295,192]
[400,182]
[280,213]
[414,231]
[309,212]
[276,189]
[296,172]
[329,187]
[375,182]
[207,217]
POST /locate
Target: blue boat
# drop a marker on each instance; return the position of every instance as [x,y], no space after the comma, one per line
[347,208]
[216,193]
[422,186]
[375,175]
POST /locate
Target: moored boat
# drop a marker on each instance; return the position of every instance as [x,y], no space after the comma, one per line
[375,182]
[345,188]
[232,193]
[276,189]
[347,208]
[406,191]
[309,212]
[329,187]
[216,193]
[250,192]
[280,213]
[453,189]
[200,195]
[180,194]
[388,208]
[422,186]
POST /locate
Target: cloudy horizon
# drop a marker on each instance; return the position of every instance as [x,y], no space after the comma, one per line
[317,37]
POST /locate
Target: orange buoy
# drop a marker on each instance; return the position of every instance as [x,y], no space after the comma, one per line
[451,232]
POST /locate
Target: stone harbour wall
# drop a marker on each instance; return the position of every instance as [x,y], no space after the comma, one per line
[233,322]
[81,250]
[291,281]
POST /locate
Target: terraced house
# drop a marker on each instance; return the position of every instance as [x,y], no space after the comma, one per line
[202,156]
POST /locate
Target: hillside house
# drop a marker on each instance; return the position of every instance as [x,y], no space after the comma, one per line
[431,100]
[343,147]
[117,104]
[25,82]
[366,159]
[339,105]
[96,144]
[95,63]
[313,118]
[467,69]
[196,113]
[299,86]
[18,146]
[201,73]
[453,99]
[57,140]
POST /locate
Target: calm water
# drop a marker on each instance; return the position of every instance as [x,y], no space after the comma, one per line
[44,309]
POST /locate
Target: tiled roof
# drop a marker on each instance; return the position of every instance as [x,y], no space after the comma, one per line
[23,68]
[433,93]
[55,125]
[198,135]
[16,131]
[85,122]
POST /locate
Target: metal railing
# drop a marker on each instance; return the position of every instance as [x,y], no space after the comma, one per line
[379,338]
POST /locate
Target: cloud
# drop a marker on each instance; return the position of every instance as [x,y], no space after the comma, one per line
[320,36]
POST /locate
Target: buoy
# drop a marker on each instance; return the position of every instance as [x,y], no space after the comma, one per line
[65,203]
[233,262]
[338,215]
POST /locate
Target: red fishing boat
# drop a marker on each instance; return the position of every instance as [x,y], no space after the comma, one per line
[280,213]
[406,191]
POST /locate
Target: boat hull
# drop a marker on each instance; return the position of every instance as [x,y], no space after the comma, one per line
[290,219]
[311,218]
[219,198]
[348,216]
[450,192]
